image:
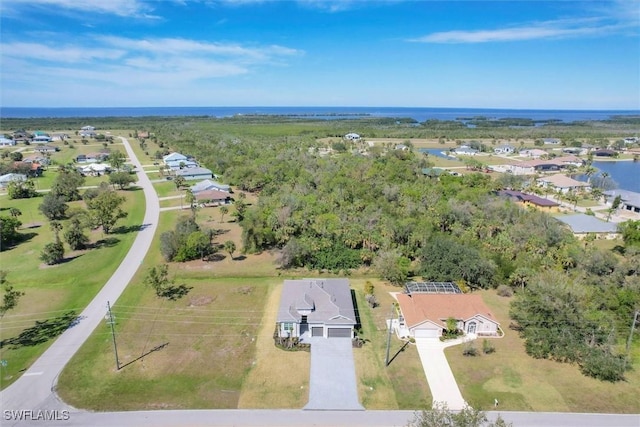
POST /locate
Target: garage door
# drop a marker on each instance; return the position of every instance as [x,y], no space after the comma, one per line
[316,331]
[339,333]
[427,333]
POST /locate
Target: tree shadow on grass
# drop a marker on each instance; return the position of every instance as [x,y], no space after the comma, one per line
[125,229]
[104,243]
[22,237]
[42,331]
[174,292]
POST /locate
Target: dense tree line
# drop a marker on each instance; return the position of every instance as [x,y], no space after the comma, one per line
[346,210]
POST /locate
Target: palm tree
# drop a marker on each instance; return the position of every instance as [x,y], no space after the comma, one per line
[223,211]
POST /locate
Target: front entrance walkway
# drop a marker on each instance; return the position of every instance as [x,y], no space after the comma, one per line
[442,383]
[332,384]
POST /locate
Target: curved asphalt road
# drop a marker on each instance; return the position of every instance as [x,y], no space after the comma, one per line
[34,390]
[32,400]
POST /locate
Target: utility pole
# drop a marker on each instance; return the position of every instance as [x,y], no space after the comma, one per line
[113,335]
[633,326]
[386,360]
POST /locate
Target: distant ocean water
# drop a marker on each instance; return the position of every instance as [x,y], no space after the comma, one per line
[418,114]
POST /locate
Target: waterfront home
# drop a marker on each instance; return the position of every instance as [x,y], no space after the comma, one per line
[563,183]
[629,200]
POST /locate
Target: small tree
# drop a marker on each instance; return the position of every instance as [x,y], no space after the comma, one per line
[105,210]
[52,253]
[223,211]
[180,181]
[158,279]
[121,179]
[10,296]
[230,247]
[74,235]
[487,347]
[116,160]
[53,207]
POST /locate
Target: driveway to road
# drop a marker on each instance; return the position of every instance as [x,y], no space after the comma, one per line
[442,383]
[332,384]
[36,388]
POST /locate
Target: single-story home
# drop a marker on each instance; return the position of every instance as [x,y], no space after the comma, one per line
[504,149]
[41,139]
[528,199]
[88,128]
[6,142]
[213,197]
[551,141]
[174,157]
[631,140]
[605,153]
[402,147]
[88,134]
[182,164]
[534,153]
[209,184]
[433,172]
[352,137]
[629,200]
[194,173]
[563,183]
[6,179]
[465,151]
[94,169]
[582,224]
[316,308]
[59,136]
[424,315]
[46,149]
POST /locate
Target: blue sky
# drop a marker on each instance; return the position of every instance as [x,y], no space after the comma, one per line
[484,54]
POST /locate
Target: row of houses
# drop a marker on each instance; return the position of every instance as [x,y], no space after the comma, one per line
[324,308]
[186,167]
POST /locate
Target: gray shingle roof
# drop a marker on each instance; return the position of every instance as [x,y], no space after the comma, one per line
[629,197]
[581,223]
[328,301]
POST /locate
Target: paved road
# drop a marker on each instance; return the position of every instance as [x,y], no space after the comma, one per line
[442,383]
[34,389]
[332,381]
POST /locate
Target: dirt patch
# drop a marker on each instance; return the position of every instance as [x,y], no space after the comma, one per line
[201,301]
[245,290]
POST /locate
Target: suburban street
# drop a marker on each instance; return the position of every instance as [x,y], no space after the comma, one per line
[32,400]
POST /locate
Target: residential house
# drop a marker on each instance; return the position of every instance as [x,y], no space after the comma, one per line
[32,169]
[402,147]
[209,184]
[174,157]
[528,199]
[88,134]
[582,225]
[433,172]
[629,200]
[46,149]
[465,151]
[534,153]
[316,308]
[605,153]
[40,137]
[59,136]
[88,128]
[563,183]
[6,142]
[212,197]
[425,315]
[7,179]
[174,165]
[352,137]
[504,149]
[551,141]
[95,169]
[143,135]
[631,140]
[194,173]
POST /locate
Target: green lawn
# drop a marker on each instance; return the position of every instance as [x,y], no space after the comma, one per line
[51,291]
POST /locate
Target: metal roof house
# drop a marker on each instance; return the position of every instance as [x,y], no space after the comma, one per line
[581,224]
[630,200]
[194,173]
[316,308]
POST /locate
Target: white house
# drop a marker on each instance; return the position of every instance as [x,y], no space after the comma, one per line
[6,142]
[174,157]
[631,140]
[504,149]
[88,134]
[465,151]
[534,153]
[88,128]
[6,179]
[551,141]
[209,184]
[352,137]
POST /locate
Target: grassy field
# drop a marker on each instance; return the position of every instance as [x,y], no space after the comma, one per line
[53,291]
[522,383]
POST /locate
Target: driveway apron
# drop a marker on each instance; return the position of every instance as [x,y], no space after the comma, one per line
[442,383]
[333,376]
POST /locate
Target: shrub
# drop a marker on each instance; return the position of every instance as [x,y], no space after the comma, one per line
[487,347]
[52,253]
[470,350]
[504,291]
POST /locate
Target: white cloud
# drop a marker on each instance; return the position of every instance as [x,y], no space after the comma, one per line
[124,8]
[620,16]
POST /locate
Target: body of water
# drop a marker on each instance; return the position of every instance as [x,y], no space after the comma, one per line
[418,114]
[626,174]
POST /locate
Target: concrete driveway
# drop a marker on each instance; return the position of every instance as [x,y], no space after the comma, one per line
[332,385]
[442,383]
